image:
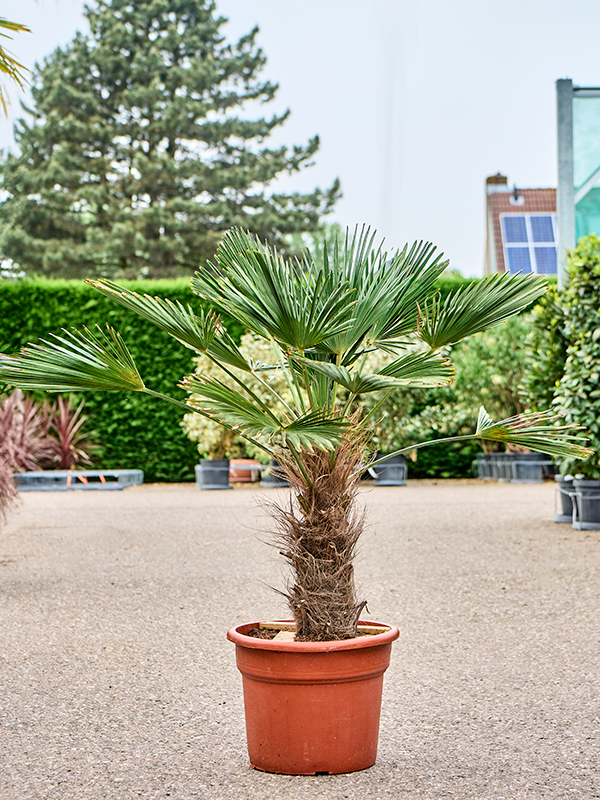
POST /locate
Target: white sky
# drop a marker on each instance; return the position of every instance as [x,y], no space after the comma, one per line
[416,101]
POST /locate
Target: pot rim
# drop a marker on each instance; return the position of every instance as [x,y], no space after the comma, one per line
[236,635]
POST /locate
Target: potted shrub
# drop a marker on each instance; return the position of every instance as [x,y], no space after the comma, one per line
[577,391]
[312,703]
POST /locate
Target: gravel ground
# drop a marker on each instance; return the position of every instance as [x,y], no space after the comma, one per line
[118,681]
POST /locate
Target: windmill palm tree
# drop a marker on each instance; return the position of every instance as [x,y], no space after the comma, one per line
[321,322]
[9,66]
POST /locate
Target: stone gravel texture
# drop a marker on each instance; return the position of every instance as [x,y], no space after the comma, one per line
[118,682]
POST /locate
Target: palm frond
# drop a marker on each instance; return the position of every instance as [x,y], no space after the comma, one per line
[413,273]
[386,287]
[228,405]
[354,382]
[195,332]
[420,369]
[476,307]
[315,430]
[225,351]
[537,431]
[273,296]
[74,362]
[8,65]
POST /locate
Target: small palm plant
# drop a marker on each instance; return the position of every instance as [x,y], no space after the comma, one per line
[321,322]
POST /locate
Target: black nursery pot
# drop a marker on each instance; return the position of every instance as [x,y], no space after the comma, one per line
[391,473]
[587,498]
[530,467]
[484,465]
[275,479]
[565,487]
[213,473]
[502,466]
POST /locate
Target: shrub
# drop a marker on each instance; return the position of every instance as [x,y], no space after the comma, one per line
[578,393]
[132,430]
[489,369]
[545,352]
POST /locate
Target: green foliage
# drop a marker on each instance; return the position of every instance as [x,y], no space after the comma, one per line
[9,66]
[578,394]
[546,352]
[489,368]
[139,155]
[323,324]
[133,430]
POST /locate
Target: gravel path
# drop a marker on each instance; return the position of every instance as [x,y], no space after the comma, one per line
[118,682]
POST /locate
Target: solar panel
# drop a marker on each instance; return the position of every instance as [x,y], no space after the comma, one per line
[541,229]
[519,259]
[545,259]
[515,229]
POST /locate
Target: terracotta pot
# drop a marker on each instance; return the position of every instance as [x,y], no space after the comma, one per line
[244,470]
[312,706]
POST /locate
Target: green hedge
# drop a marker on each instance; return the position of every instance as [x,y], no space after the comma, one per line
[134,430]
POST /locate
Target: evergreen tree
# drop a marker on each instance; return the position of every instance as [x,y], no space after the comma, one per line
[138,157]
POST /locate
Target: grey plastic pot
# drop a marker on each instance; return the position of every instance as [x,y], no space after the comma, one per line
[484,466]
[213,473]
[565,487]
[392,473]
[529,467]
[587,499]
[274,479]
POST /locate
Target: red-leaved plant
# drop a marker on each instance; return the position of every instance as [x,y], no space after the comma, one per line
[39,436]
[71,446]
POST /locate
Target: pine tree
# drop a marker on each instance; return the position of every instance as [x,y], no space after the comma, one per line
[138,154]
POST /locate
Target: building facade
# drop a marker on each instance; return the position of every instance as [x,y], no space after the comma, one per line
[521,229]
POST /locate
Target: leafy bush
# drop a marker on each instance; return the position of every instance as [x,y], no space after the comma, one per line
[578,393]
[489,369]
[546,352]
[215,441]
[133,430]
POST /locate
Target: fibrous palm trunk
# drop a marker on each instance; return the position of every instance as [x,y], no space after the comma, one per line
[318,533]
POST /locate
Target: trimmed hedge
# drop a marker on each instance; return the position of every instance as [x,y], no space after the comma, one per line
[134,430]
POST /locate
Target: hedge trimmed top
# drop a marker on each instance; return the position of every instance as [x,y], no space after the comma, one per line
[321,321]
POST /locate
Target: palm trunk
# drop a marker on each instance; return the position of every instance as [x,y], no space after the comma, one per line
[318,534]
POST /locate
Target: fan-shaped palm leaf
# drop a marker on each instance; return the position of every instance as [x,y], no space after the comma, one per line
[195,332]
[433,372]
[386,289]
[219,400]
[537,431]
[272,296]
[476,307]
[315,430]
[223,403]
[420,369]
[74,362]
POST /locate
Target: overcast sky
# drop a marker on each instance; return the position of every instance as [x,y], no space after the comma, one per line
[415,101]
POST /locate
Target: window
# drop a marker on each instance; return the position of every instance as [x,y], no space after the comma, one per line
[529,242]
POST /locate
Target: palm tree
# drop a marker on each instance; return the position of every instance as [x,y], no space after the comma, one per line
[321,323]
[8,65]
